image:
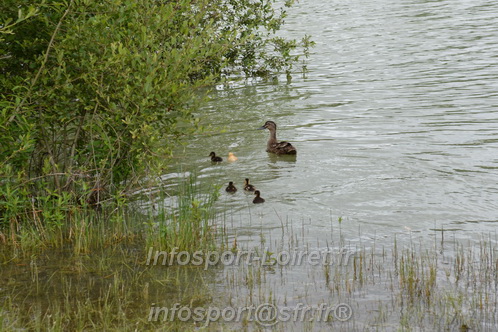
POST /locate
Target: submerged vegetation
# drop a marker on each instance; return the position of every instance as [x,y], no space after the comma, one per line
[447,285]
[96,94]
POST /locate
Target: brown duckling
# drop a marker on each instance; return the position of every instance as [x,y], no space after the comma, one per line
[247,186]
[231,188]
[214,158]
[232,157]
[275,146]
[258,199]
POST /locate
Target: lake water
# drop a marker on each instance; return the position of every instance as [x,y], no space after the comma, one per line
[396,124]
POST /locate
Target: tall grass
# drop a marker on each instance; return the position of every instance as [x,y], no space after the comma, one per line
[183,217]
[88,272]
[185,221]
[404,286]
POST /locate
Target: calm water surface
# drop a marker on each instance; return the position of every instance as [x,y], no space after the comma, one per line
[396,125]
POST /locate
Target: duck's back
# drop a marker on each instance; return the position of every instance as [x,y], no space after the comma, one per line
[281,148]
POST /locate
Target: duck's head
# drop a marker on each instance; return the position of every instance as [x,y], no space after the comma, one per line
[212,154]
[247,181]
[230,183]
[269,125]
[257,193]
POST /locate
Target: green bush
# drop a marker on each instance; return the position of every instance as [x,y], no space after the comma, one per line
[95,93]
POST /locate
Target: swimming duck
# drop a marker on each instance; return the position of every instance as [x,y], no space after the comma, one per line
[231,157]
[231,188]
[273,145]
[247,186]
[258,199]
[214,158]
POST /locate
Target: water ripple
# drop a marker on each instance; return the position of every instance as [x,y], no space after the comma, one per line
[396,124]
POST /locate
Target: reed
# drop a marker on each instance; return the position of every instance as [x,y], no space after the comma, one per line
[402,285]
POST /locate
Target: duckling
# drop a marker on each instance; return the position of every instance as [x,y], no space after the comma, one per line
[214,158]
[273,145]
[258,199]
[231,188]
[247,186]
[231,157]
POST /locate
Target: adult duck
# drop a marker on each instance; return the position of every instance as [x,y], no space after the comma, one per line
[275,146]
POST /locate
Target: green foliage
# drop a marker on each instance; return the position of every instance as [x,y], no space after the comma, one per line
[96,93]
[19,48]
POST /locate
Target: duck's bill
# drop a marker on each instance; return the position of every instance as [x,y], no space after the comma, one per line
[261,128]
